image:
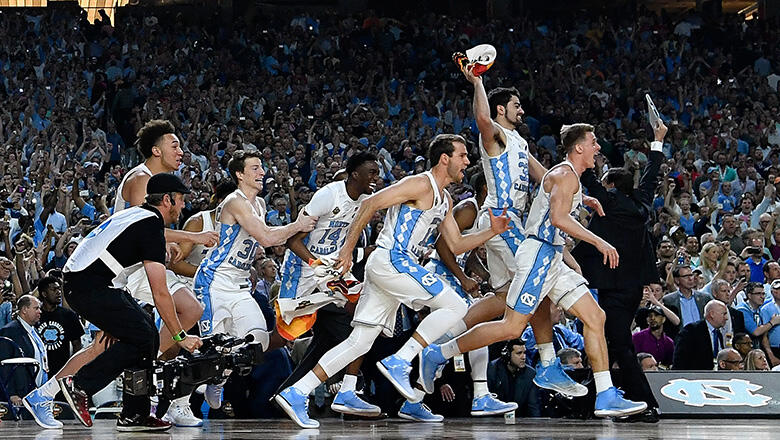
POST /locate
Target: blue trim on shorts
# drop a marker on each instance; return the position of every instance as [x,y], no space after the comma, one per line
[405,265]
[205,275]
[530,294]
[512,233]
[442,271]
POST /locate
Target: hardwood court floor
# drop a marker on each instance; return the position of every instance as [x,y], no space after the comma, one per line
[477,429]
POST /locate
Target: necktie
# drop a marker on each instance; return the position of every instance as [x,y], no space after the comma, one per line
[44,360]
[716,343]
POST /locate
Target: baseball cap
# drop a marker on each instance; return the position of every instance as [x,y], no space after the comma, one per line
[166,183]
[655,309]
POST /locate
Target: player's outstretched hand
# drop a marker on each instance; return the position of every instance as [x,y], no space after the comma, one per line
[344,260]
[499,224]
[594,204]
[611,256]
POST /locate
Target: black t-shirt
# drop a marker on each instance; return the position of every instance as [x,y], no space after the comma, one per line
[57,329]
[143,240]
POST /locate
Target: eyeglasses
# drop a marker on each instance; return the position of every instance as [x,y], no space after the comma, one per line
[685,276]
[733,362]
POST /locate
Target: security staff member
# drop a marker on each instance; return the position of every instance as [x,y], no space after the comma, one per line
[95,275]
[624,226]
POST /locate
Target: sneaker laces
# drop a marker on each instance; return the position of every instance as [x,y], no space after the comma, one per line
[185,410]
[426,408]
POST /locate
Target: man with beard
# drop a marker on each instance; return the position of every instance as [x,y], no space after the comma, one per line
[653,340]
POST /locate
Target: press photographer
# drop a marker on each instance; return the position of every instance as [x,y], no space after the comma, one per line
[95,276]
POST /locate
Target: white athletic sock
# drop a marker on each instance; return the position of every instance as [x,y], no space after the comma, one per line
[458,329]
[546,353]
[479,362]
[603,381]
[181,401]
[349,383]
[50,388]
[409,350]
[480,388]
[418,395]
[450,349]
[308,383]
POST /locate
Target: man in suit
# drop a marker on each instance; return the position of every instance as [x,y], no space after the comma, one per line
[699,342]
[22,331]
[721,290]
[686,303]
[625,225]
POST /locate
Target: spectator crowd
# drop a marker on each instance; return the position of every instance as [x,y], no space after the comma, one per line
[309,90]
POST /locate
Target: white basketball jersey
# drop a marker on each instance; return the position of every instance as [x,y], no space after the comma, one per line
[334,218]
[228,264]
[120,203]
[411,230]
[199,251]
[507,174]
[538,224]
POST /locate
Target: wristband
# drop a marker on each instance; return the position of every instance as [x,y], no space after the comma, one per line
[656,146]
[178,337]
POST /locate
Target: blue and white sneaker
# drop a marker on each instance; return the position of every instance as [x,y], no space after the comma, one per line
[348,402]
[611,403]
[396,370]
[489,405]
[213,395]
[41,409]
[419,412]
[296,405]
[432,363]
[553,377]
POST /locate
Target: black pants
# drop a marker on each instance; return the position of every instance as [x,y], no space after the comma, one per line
[620,307]
[115,312]
[331,328]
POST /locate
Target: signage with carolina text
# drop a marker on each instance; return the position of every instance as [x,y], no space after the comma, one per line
[706,393]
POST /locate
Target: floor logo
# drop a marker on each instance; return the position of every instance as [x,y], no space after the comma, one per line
[734,392]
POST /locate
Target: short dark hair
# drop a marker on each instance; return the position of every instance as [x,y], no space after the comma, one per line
[751,286]
[236,163]
[150,134]
[567,353]
[443,144]
[622,179]
[500,96]
[571,134]
[222,190]
[356,160]
[47,281]
[157,198]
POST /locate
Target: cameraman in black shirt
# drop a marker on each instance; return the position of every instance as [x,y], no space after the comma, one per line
[95,276]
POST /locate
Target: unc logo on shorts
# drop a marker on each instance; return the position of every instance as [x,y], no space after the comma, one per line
[428,279]
[734,392]
[528,299]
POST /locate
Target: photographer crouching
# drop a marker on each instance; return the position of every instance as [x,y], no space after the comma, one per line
[95,276]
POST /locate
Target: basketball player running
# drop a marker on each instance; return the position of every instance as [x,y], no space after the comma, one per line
[507,164]
[418,206]
[336,206]
[179,412]
[451,270]
[541,272]
[222,279]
